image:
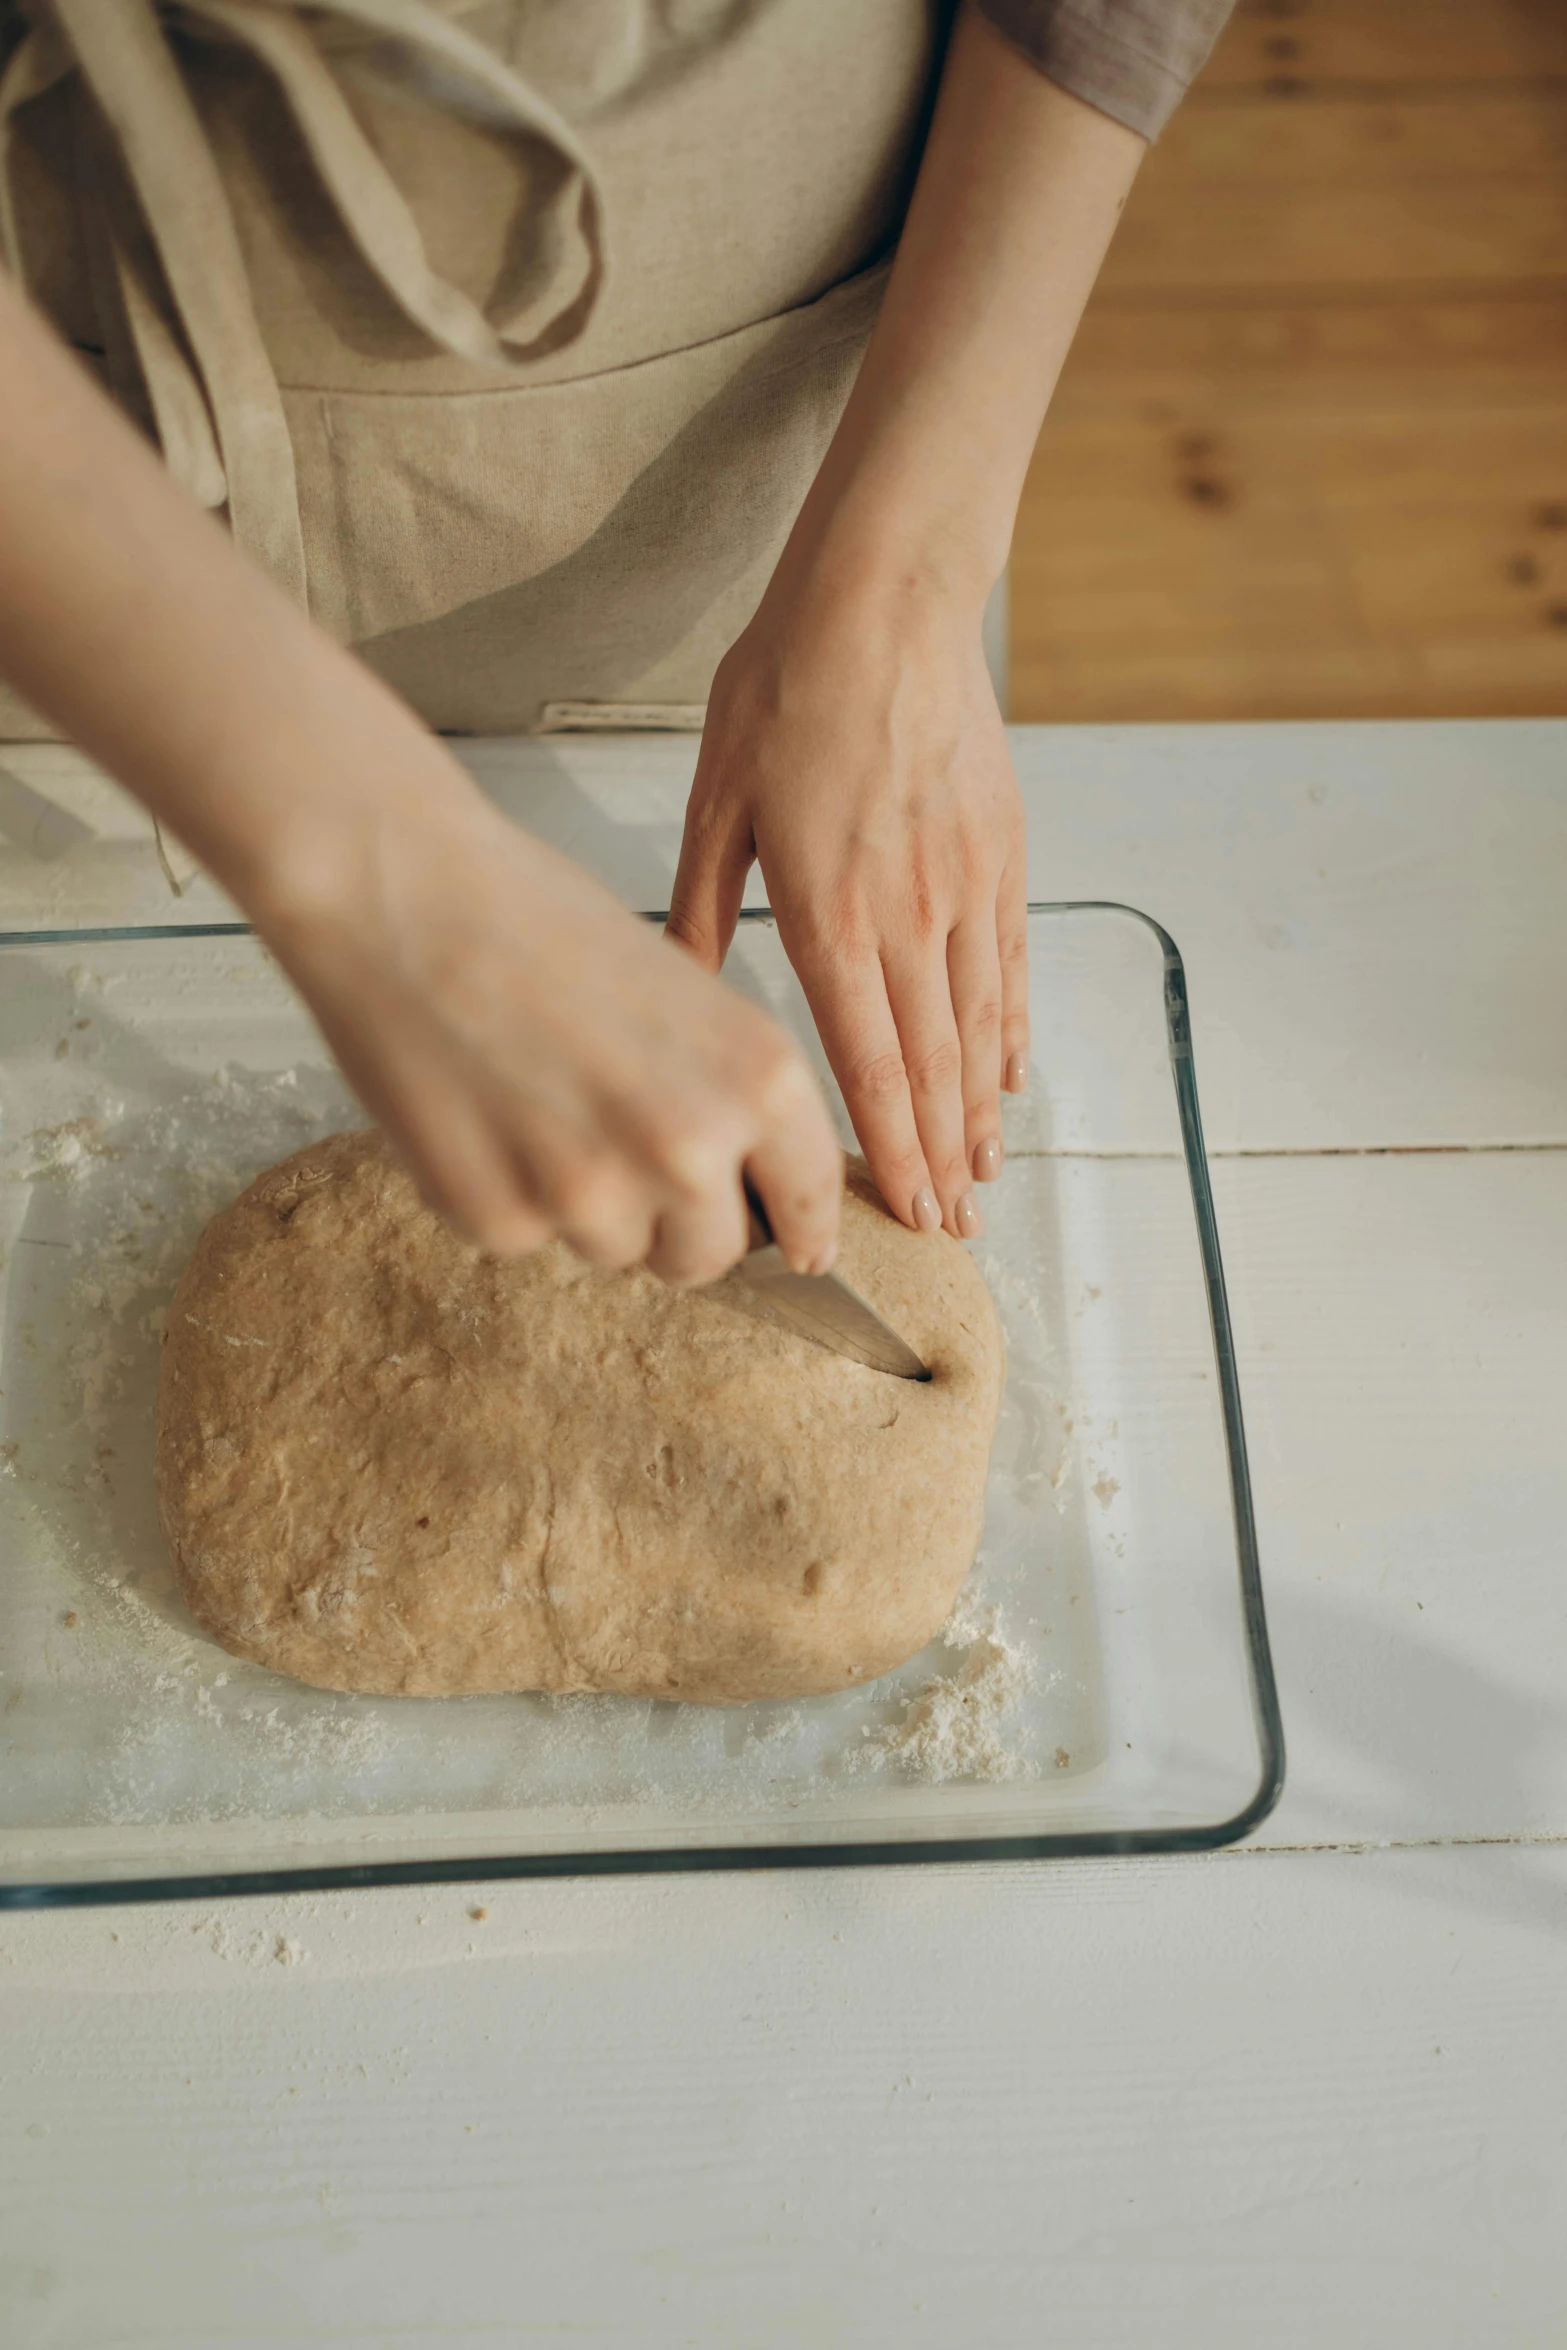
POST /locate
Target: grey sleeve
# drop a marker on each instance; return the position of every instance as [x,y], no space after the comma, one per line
[1133,59]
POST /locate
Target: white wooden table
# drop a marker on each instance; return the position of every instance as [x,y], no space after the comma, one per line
[1310,2093]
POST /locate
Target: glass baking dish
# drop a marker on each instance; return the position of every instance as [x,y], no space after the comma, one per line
[1104,1685]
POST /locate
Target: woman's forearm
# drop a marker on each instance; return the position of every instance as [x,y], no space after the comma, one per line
[127,616]
[853,746]
[544,1062]
[1018,195]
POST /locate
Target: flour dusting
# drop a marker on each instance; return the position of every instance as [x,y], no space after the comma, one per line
[963,1725]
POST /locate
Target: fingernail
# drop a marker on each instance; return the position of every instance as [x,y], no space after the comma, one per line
[825,1261]
[966,1216]
[1016,1079]
[987,1159]
[927,1215]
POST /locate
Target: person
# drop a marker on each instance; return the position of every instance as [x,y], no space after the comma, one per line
[621,353]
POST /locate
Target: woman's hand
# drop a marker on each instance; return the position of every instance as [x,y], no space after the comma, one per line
[543,1063]
[854,749]
[853,744]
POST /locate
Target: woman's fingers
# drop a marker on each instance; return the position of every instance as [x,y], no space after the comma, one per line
[699,1240]
[974,973]
[1012,950]
[860,1038]
[463,1169]
[920,995]
[716,854]
[463,1172]
[544,1065]
[796,1169]
[771,1123]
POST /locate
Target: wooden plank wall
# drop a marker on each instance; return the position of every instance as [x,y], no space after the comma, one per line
[1309,456]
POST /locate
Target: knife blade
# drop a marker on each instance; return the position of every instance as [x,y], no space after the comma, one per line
[823,1307]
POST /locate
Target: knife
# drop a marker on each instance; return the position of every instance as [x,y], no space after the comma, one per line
[822,1307]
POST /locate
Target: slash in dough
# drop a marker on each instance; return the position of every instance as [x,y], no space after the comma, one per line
[389,1462]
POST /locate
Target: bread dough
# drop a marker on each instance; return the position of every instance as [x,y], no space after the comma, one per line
[389,1462]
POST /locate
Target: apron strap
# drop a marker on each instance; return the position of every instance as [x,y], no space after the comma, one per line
[40,60]
[126,64]
[144,358]
[567,221]
[218,410]
[140,344]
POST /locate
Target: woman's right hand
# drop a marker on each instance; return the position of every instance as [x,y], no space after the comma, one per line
[545,1063]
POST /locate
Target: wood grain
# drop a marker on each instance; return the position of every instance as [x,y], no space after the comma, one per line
[1309,455]
[1290,45]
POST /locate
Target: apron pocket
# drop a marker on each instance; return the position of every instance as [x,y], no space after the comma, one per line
[603,538]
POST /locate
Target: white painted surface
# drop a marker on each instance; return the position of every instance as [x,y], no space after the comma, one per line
[1312,2101]
[1401,1325]
[1371,916]
[1166,2104]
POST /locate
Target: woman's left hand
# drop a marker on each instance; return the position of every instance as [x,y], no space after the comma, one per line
[854,749]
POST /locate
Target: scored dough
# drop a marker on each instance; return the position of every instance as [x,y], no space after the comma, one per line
[389,1462]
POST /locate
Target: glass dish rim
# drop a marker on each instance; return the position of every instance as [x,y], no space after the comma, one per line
[1048,1844]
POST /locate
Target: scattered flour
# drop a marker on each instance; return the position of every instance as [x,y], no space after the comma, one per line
[262,1948]
[962,1725]
[63,1149]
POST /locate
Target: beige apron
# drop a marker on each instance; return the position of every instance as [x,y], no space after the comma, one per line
[509,334]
